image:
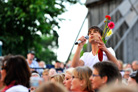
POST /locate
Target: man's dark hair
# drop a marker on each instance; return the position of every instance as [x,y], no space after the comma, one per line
[108,69]
[134,75]
[137,76]
[96,29]
[17,70]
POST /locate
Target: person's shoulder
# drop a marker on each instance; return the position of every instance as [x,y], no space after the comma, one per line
[18,88]
[111,51]
[110,48]
[35,62]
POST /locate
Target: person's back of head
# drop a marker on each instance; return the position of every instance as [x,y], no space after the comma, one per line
[58,78]
[118,88]
[51,87]
[17,70]
[52,72]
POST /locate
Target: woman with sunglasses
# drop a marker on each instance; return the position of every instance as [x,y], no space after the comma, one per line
[15,74]
[80,79]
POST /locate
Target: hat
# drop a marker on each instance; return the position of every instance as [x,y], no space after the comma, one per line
[32,52]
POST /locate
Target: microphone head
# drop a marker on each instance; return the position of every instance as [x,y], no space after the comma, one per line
[87,37]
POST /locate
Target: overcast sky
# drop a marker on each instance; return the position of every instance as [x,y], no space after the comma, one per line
[70,28]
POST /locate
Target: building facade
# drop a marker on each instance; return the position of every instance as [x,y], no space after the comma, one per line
[124,13]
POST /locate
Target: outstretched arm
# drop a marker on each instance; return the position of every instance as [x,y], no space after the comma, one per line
[76,59]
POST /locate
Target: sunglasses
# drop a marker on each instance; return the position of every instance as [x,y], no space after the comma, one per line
[95,75]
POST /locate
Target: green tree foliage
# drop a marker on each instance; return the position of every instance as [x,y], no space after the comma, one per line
[20,22]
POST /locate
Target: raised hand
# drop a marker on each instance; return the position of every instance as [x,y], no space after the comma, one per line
[83,39]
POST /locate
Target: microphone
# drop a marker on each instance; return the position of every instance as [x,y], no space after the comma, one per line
[76,43]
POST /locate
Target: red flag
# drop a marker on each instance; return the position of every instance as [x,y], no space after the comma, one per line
[100,55]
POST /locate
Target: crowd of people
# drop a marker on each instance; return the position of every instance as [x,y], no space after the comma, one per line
[81,74]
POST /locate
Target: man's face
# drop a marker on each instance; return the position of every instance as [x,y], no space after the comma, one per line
[126,74]
[57,65]
[96,80]
[134,66]
[94,35]
[30,56]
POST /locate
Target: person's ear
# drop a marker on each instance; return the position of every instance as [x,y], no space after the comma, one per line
[83,82]
[104,79]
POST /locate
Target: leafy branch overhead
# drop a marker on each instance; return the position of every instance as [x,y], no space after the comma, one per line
[29,24]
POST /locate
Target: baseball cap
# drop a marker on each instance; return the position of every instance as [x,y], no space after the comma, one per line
[32,52]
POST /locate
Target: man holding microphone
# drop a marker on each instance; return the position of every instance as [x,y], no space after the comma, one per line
[90,58]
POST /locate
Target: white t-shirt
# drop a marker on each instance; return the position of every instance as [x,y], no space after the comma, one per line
[18,88]
[89,59]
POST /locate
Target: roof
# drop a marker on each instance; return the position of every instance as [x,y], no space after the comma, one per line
[95,2]
[91,1]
